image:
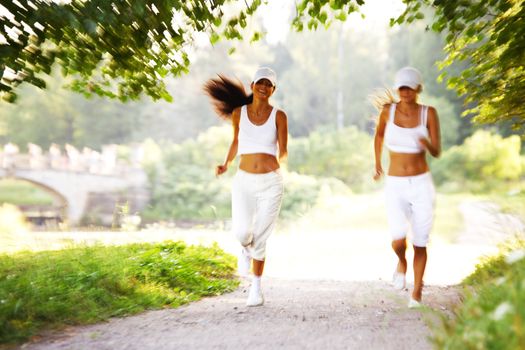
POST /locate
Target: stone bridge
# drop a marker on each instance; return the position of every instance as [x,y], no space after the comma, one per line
[87,184]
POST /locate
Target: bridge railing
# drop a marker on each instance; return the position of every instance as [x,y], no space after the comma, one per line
[71,159]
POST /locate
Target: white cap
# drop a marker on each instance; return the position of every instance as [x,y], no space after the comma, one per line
[408,76]
[265,73]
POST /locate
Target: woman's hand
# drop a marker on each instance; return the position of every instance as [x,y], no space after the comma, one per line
[428,146]
[221,169]
[425,143]
[379,172]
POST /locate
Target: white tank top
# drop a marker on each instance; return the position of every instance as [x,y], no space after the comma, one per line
[406,140]
[257,138]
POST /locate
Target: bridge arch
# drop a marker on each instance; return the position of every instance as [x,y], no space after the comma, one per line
[77,189]
[42,214]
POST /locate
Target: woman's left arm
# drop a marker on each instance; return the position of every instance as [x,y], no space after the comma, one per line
[282,135]
[433,144]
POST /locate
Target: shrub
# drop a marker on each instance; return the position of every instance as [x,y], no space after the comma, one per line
[483,162]
[346,155]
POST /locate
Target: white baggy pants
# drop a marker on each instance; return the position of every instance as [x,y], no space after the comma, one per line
[410,201]
[256,202]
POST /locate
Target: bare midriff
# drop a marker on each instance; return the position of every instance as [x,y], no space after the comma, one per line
[258,163]
[407,164]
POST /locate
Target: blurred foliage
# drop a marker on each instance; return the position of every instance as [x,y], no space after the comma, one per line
[184,185]
[343,154]
[490,37]
[117,49]
[312,13]
[182,177]
[484,162]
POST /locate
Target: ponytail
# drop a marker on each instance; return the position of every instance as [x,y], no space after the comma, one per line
[226,94]
[382,97]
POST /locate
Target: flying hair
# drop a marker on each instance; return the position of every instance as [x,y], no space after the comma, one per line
[226,94]
[381,97]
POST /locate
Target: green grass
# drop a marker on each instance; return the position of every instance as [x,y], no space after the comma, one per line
[492,315]
[23,193]
[50,289]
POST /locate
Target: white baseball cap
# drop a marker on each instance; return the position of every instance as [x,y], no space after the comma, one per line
[265,73]
[408,76]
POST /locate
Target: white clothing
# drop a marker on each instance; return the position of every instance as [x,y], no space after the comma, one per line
[257,138]
[406,140]
[410,200]
[256,201]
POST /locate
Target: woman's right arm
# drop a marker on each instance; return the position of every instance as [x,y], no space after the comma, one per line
[232,152]
[378,141]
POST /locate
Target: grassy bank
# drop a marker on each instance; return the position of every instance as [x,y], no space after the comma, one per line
[51,289]
[492,315]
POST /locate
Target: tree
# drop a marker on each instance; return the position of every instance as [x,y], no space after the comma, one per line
[119,48]
[488,35]
[123,48]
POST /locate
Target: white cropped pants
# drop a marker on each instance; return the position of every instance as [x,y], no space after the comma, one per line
[256,202]
[410,202]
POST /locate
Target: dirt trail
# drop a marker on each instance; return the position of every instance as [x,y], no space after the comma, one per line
[298,314]
[322,289]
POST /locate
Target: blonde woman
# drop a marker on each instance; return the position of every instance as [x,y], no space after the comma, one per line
[409,131]
[260,136]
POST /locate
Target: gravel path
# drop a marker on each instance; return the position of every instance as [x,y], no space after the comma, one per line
[298,314]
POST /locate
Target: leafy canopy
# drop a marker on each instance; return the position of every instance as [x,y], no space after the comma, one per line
[118,48]
[123,48]
[488,35]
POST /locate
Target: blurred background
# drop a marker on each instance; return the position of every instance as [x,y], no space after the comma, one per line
[73,164]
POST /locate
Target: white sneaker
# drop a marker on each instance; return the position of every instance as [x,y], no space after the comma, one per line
[414,304]
[255,297]
[243,263]
[398,280]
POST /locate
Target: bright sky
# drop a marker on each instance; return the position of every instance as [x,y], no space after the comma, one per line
[277,13]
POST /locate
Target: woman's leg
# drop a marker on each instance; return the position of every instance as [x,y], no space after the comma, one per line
[243,209]
[400,247]
[267,206]
[420,262]
[258,267]
[422,220]
[267,210]
[398,212]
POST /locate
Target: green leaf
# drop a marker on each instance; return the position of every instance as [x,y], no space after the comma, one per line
[323,16]
[214,38]
[256,37]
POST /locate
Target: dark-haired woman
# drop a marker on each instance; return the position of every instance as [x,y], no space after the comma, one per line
[260,136]
[409,130]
